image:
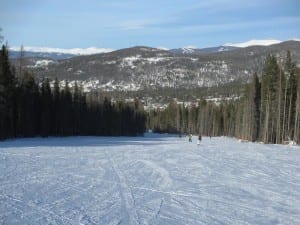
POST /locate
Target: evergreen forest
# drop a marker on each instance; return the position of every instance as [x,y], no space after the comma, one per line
[30,109]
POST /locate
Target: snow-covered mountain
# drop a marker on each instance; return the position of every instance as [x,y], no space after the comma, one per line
[15,54]
[55,53]
[227,46]
[144,68]
[254,42]
[72,51]
[201,51]
[63,53]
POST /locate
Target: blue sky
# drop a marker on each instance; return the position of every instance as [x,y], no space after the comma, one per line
[157,23]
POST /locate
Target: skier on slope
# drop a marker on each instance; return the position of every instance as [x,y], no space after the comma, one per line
[199,139]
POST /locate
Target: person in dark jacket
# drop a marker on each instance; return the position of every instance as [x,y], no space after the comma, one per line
[199,139]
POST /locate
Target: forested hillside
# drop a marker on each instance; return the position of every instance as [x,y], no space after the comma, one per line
[28,109]
[269,110]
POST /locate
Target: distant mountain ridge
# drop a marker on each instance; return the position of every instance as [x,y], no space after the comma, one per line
[60,53]
[56,53]
[142,68]
[15,54]
[52,54]
[201,51]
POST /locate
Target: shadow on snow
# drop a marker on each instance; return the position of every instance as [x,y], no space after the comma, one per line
[79,141]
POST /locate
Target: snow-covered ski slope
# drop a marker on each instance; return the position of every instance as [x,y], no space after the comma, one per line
[148,180]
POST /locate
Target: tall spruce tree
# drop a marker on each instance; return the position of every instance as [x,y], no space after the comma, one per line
[254,105]
[7,96]
[66,124]
[269,100]
[46,109]
[290,68]
[56,109]
[28,107]
[76,109]
[296,137]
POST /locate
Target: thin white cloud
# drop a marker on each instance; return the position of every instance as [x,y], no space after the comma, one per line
[143,23]
[224,5]
[190,46]
[74,51]
[217,27]
[132,25]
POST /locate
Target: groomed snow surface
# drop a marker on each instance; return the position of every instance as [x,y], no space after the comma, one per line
[156,179]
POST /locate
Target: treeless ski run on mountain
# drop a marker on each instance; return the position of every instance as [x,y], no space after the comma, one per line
[157,179]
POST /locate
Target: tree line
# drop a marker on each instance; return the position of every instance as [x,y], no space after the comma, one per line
[268,111]
[29,108]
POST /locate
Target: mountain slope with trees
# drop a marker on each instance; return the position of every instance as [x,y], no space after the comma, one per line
[268,111]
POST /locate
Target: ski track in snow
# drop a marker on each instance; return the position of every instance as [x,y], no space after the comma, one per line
[156,179]
[126,193]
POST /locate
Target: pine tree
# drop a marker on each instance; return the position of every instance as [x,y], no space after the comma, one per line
[7,96]
[46,108]
[56,109]
[269,100]
[66,125]
[139,117]
[192,118]
[21,62]
[255,107]
[296,137]
[28,107]
[291,94]
[107,114]
[247,113]
[76,109]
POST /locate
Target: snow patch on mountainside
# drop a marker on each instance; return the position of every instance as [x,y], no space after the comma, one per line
[156,59]
[42,63]
[129,61]
[222,49]
[186,50]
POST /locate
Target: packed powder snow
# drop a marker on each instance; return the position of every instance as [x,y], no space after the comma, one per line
[156,179]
